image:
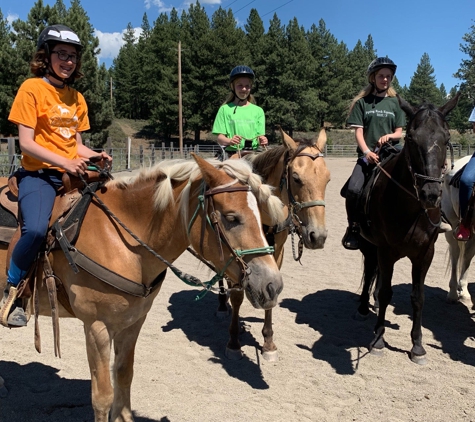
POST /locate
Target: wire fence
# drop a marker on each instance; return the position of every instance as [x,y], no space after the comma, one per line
[133,158]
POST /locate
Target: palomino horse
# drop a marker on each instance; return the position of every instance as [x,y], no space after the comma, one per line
[173,205]
[460,253]
[402,216]
[299,175]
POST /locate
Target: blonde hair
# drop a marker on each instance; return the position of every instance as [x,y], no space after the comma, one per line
[391,92]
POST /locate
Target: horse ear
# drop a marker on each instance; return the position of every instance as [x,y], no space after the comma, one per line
[288,141]
[322,139]
[405,106]
[449,105]
[211,175]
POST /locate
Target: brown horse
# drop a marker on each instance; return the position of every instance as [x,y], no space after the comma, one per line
[299,175]
[169,207]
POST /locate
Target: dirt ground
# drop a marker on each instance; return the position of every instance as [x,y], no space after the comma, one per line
[324,372]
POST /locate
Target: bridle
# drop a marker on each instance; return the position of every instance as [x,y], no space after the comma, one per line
[417,176]
[210,216]
[294,206]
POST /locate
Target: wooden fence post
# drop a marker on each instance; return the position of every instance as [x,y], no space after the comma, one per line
[129,146]
[153,155]
[163,151]
[141,156]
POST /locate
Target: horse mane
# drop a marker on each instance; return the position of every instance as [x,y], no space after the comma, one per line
[264,163]
[167,172]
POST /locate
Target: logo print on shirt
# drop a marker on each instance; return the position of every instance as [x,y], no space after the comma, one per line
[63,121]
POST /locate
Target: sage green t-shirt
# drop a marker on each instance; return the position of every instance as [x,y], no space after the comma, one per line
[377,116]
[246,121]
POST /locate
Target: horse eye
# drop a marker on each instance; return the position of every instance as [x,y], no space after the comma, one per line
[296,179]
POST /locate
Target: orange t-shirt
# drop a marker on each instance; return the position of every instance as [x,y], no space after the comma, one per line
[55,114]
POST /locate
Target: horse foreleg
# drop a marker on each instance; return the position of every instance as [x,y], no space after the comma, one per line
[123,371]
[385,293]
[269,349]
[455,286]
[419,271]
[233,348]
[467,251]
[98,347]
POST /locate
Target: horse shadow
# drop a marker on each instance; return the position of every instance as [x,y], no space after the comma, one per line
[330,312]
[197,320]
[37,393]
[450,324]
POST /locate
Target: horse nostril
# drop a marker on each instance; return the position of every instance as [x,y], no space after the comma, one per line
[271,290]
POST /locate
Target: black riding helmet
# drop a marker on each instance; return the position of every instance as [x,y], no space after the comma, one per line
[240,71]
[380,63]
[58,34]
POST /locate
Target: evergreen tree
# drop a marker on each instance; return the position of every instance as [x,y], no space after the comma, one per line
[7,78]
[423,86]
[271,97]
[196,67]
[162,72]
[301,103]
[358,61]
[466,73]
[333,82]
[124,73]
[255,40]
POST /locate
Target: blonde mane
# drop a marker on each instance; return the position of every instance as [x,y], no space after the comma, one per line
[168,171]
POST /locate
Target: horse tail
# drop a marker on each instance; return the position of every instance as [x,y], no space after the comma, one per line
[370,267]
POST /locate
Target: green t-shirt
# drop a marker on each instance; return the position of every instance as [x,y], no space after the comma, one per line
[377,116]
[246,121]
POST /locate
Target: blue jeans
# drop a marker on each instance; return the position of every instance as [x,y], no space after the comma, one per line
[466,185]
[37,191]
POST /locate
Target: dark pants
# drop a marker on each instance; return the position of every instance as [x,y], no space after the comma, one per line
[37,191]
[355,187]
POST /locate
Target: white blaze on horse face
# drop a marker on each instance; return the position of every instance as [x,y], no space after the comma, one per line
[252,203]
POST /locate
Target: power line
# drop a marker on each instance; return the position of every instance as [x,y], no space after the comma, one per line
[277,8]
[245,6]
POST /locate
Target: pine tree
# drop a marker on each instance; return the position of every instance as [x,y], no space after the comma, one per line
[423,86]
[7,78]
[333,82]
[124,73]
[358,61]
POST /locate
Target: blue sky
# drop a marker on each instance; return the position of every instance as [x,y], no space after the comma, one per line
[403,30]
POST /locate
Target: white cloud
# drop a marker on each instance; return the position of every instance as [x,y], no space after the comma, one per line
[210,1]
[110,42]
[162,8]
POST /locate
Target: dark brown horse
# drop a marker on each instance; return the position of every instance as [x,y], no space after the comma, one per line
[402,216]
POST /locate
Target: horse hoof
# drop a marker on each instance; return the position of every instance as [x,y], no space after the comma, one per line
[420,360]
[233,354]
[360,317]
[271,356]
[376,352]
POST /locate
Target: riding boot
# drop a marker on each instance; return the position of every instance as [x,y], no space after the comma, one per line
[12,313]
[351,238]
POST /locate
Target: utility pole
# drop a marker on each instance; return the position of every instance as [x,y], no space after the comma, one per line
[112,107]
[180,115]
